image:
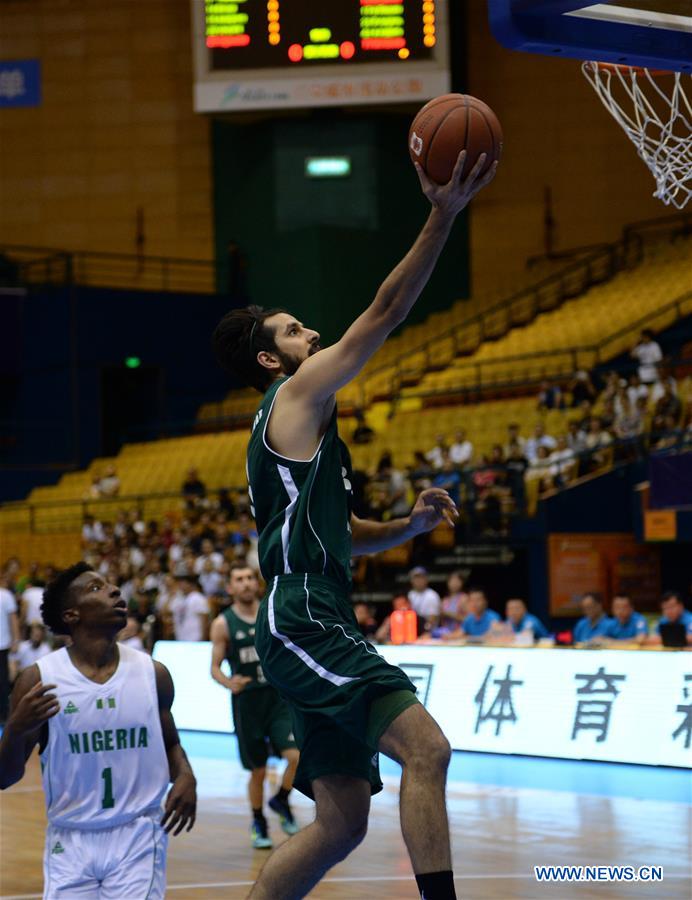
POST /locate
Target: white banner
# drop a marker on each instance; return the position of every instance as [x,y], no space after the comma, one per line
[609,705]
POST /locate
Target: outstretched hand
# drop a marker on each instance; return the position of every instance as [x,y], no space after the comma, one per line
[432,507]
[452,197]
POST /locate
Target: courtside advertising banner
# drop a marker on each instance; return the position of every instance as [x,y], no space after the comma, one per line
[619,706]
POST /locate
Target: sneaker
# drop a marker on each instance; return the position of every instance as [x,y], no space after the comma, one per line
[283,811]
[260,836]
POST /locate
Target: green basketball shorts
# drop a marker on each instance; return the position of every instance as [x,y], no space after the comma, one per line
[342,693]
[263,725]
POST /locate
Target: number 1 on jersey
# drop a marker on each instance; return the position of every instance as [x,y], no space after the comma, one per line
[108,801]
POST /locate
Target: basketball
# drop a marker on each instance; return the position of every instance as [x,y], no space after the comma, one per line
[449,124]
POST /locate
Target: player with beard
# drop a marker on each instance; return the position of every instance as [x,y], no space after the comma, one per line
[100,713]
[347,702]
[261,718]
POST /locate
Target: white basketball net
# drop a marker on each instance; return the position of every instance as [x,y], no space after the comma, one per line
[656,115]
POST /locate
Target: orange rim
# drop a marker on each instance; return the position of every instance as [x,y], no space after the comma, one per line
[624,68]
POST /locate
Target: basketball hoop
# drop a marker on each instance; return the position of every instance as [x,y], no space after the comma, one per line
[655,113]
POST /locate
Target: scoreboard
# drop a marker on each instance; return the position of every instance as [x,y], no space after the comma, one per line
[272,54]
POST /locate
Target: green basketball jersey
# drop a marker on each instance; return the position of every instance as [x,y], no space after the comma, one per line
[302,507]
[242,656]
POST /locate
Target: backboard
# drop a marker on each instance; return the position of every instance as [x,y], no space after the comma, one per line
[656,34]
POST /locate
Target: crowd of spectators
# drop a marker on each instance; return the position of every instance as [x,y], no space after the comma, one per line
[605,419]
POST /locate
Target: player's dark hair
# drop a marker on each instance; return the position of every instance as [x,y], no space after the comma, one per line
[56,595]
[237,566]
[595,595]
[671,595]
[237,340]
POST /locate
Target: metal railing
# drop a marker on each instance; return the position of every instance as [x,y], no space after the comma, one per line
[596,266]
[46,266]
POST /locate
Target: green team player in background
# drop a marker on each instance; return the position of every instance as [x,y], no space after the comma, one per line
[261,718]
[347,702]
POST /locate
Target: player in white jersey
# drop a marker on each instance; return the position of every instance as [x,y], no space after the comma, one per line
[100,714]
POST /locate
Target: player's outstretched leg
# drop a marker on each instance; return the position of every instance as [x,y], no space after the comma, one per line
[414,740]
[279,802]
[341,819]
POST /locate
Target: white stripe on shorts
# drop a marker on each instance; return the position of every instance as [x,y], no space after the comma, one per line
[299,652]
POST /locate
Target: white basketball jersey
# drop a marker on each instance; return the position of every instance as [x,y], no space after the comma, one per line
[105,762]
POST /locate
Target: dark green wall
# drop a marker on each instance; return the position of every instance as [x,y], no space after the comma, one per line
[322,248]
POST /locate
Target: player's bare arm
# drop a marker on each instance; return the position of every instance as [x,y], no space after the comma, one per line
[31,705]
[181,802]
[433,506]
[220,640]
[307,400]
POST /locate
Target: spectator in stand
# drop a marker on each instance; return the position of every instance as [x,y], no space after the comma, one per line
[208,555]
[448,478]
[514,441]
[94,491]
[668,406]
[516,461]
[92,530]
[628,424]
[31,650]
[436,455]
[461,450]
[597,441]
[393,490]
[32,576]
[480,619]
[636,390]
[648,354]
[211,580]
[521,621]
[659,388]
[194,489]
[582,388]
[30,605]
[674,613]
[454,605]
[595,623]
[541,469]
[550,396]
[539,439]
[226,504]
[365,619]
[190,611]
[563,463]
[9,640]
[362,433]
[668,436]
[423,598]
[110,483]
[627,624]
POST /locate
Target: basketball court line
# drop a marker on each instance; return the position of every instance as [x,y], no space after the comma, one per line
[357,879]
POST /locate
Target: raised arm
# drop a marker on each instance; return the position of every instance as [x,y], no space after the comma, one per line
[31,706]
[181,802]
[320,376]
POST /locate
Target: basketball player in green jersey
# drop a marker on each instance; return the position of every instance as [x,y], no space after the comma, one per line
[260,716]
[347,702]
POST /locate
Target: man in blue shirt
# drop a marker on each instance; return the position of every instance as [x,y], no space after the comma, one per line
[521,620]
[595,623]
[480,619]
[674,613]
[627,624]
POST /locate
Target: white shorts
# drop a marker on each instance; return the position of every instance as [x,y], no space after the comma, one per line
[128,861]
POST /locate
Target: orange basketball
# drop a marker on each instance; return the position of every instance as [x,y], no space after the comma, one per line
[449,124]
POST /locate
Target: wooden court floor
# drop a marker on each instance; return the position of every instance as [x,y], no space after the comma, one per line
[499,834]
